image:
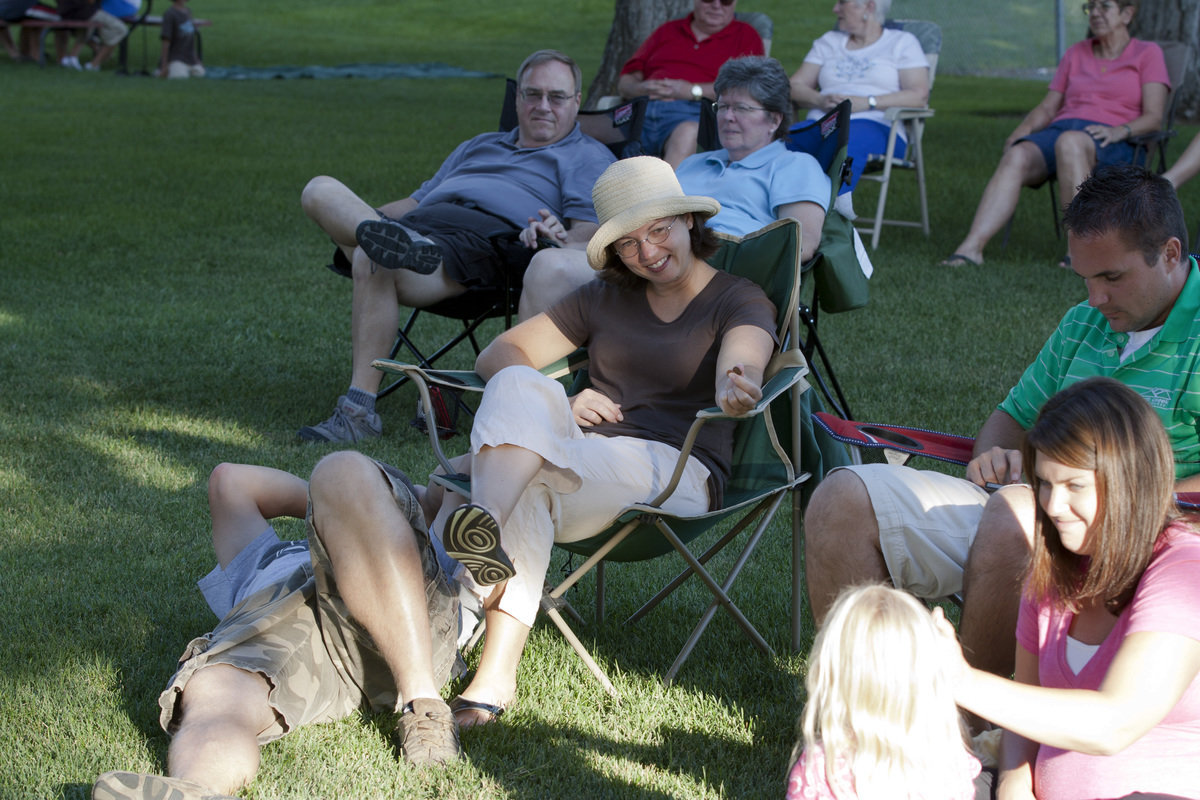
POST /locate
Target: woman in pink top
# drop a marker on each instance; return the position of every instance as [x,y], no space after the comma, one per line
[1106,700]
[1107,89]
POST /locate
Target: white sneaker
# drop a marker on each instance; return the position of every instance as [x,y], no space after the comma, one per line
[71,62]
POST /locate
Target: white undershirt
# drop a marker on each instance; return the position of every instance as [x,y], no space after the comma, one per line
[1136,340]
[1079,654]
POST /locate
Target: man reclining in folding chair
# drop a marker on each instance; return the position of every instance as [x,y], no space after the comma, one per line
[754,177]
[442,238]
[936,535]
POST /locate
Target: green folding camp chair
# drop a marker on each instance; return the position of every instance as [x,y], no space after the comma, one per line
[766,469]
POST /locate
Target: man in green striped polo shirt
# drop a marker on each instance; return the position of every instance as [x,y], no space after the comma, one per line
[936,535]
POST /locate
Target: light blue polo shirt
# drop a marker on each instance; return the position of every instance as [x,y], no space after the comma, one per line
[1165,370]
[751,190]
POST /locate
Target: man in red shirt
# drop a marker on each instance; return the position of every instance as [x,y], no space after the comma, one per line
[676,67]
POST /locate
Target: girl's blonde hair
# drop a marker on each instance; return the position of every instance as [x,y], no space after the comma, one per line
[880,699]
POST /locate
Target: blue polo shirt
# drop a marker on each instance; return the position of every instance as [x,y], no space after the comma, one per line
[492,173]
[751,190]
[1165,370]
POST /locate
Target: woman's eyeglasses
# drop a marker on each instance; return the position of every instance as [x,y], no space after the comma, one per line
[739,109]
[628,248]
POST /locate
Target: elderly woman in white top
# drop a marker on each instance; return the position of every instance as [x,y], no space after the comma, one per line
[874,67]
[753,176]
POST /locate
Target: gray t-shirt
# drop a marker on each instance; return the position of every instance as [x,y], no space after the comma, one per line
[492,173]
[662,373]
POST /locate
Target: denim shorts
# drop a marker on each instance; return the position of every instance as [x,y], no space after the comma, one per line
[662,116]
[1043,140]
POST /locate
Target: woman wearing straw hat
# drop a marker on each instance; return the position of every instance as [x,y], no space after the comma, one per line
[667,335]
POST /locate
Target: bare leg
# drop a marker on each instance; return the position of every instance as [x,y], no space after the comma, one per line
[552,274]
[10,46]
[102,53]
[495,680]
[1186,166]
[223,711]
[1022,165]
[336,210]
[242,497]
[1075,152]
[841,540]
[681,143]
[377,562]
[996,566]
[500,476]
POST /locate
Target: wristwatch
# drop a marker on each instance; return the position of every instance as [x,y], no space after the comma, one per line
[871,101]
[697,92]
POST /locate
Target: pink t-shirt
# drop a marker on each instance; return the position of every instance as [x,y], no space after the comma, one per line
[1108,92]
[1167,758]
[960,780]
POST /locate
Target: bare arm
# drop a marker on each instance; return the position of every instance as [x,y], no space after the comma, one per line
[241,500]
[741,362]
[805,92]
[398,208]
[536,342]
[811,218]
[580,231]
[1148,675]
[995,456]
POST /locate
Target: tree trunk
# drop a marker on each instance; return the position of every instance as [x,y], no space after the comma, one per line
[633,21]
[1176,20]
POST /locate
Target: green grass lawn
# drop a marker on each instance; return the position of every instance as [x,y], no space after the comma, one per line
[165,307]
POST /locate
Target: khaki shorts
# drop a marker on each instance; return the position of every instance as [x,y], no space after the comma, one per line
[320,663]
[927,522]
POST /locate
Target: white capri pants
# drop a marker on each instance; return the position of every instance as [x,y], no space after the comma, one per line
[587,478]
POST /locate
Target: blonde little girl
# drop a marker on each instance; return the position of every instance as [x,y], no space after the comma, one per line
[880,720]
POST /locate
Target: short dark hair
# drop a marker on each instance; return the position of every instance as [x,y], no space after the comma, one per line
[766,81]
[1136,204]
[541,57]
[704,244]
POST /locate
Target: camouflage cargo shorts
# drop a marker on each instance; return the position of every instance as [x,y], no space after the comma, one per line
[320,663]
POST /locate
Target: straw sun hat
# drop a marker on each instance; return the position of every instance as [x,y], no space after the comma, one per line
[633,192]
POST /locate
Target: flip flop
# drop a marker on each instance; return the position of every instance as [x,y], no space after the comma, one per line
[461,703]
[472,538]
[958,260]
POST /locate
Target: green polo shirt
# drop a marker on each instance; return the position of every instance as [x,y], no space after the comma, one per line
[1165,371]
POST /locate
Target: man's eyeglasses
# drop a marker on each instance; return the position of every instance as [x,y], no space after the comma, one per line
[739,109]
[628,248]
[1103,7]
[534,97]
[723,2]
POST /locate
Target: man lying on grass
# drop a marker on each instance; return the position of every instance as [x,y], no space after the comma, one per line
[362,615]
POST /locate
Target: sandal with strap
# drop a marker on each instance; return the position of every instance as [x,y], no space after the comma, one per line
[492,712]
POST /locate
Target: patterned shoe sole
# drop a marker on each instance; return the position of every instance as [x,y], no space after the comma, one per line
[388,245]
[472,538]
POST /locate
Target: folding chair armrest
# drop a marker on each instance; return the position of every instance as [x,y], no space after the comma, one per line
[463,379]
[783,380]
[905,113]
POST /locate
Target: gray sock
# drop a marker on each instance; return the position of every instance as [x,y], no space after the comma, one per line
[361,398]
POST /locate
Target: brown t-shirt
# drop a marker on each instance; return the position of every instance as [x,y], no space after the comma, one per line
[662,373]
